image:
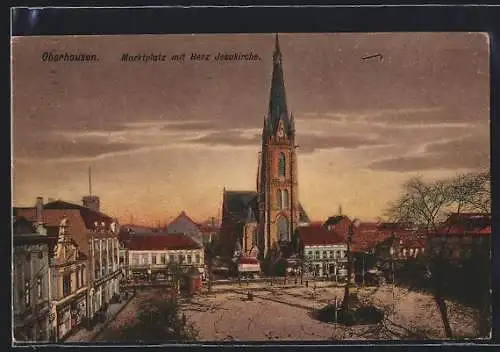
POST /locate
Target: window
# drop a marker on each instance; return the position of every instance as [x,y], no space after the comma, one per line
[181,258]
[27,293]
[279,200]
[189,261]
[310,254]
[171,258]
[282,165]
[40,255]
[316,255]
[198,259]
[39,290]
[82,277]
[77,274]
[66,284]
[341,254]
[331,254]
[284,197]
[163,258]
[153,259]
[283,228]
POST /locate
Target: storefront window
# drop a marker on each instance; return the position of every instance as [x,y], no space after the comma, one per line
[189,261]
[198,259]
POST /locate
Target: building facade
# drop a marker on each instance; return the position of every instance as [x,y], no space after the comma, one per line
[31,278]
[105,271]
[277,185]
[324,252]
[95,234]
[68,281]
[263,223]
[149,257]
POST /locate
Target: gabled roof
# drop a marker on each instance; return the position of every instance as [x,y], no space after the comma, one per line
[367,235]
[303,217]
[169,242]
[316,235]
[237,204]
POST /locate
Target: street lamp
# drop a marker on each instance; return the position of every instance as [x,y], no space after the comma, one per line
[352,228]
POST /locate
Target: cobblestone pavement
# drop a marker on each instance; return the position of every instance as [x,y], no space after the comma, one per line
[284,313]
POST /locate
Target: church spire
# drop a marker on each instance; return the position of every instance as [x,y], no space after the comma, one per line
[278,109]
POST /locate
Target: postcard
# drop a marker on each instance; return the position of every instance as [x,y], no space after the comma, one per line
[272,187]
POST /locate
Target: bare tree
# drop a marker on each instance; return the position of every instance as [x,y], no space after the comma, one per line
[428,205]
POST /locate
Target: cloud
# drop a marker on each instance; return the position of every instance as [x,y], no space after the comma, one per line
[310,142]
[59,149]
[469,152]
[227,138]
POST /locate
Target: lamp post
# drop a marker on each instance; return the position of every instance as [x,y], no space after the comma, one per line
[352,228]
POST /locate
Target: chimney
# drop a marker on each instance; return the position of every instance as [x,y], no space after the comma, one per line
[39,210]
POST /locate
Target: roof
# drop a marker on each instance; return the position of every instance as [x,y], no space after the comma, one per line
[278,109]
[168,242]
[241,205]
[332,220]
[367,235]
[303,217]
[81,219]
[466,223]
[316,235]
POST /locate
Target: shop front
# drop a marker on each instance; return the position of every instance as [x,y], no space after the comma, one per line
[63,321]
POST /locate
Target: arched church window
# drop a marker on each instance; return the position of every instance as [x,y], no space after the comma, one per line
[284,198]
[279,200]
[282,165]
[283,229]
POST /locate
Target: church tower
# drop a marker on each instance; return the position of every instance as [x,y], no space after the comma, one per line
[278,202]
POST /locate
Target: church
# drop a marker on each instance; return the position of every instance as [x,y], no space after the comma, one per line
[263,223]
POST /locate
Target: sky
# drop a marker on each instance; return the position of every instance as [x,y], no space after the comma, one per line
[163,137]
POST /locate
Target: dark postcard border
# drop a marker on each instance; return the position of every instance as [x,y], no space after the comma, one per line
[156,20]
[172,20]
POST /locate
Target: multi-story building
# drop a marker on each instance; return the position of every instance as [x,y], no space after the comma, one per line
[96,236]
[324,252]
[150,256]
[105,271]
[68,284]
[31,288]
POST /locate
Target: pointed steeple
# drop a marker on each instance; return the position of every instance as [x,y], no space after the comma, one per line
[278,109]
